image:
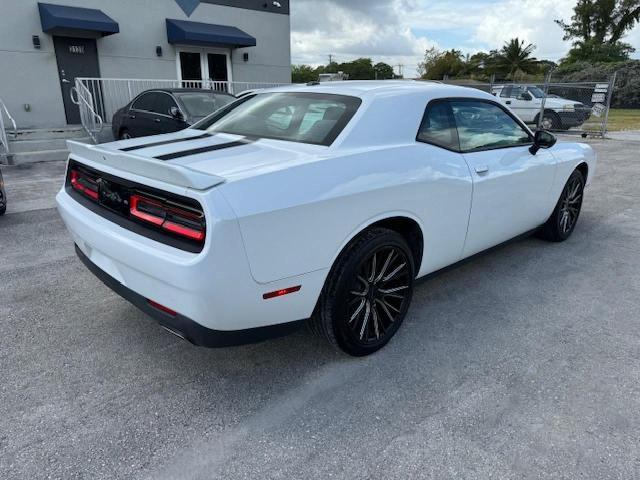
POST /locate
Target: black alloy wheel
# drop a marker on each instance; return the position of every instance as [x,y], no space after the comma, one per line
[378,294]
[565,216]
[367,293]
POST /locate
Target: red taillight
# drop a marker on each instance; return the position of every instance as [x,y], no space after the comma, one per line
[172,219]
[84,185]
[280,293]
[162,308]
[136,202]
[197,235]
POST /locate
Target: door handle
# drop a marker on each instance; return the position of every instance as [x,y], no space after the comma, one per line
[480,169]
[508,102]
[132,117]
[157,120]
[64,80]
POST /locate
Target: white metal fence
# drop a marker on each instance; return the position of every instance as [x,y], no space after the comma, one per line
[4,140]
[99,98]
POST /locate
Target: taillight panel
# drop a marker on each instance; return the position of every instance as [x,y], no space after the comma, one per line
[165,217]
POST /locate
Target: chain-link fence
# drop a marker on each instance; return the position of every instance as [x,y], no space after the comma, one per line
[570,107]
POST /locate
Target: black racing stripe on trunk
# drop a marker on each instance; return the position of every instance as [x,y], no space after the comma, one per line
[166,142]
[211,148]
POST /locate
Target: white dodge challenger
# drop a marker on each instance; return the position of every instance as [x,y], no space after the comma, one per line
[318,203]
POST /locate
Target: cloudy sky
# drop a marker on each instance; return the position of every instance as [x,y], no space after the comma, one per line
[399,31]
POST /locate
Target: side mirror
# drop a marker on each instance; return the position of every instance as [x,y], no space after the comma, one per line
[176,113]
[525,96]
[542,139]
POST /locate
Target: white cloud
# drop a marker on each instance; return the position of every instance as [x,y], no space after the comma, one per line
[384,29]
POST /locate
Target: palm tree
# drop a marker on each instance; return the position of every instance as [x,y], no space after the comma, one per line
[515,57]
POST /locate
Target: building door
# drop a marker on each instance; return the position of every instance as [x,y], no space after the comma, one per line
[190,68]
[76,57]
[203,68]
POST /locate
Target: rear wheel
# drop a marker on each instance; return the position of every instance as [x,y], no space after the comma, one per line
[124,134]
[563,220]
[367,293]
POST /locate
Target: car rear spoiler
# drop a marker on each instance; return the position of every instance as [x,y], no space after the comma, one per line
[177,175]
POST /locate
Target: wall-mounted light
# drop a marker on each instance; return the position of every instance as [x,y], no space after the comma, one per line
[245,56]
[36,42]
[159,51]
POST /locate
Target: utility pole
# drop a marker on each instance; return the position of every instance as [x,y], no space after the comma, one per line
[330,58]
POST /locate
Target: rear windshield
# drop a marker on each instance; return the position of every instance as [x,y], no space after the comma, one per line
[201,104]
[314,118]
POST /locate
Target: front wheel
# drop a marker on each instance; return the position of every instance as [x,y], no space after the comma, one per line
[563,220]
[367,293]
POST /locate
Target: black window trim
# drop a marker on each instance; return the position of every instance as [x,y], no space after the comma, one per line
[448,101]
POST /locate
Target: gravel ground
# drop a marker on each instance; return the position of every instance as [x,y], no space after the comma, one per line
[523,363]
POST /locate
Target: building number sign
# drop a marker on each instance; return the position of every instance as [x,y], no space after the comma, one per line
[76,49]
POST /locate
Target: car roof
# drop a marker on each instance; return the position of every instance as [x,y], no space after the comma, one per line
[382,88]
[188,90]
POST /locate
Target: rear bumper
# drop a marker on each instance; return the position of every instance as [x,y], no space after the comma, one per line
[185,327]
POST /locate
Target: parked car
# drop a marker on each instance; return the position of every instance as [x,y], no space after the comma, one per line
[165,111]
[526,101]
[320,202]
[3,196]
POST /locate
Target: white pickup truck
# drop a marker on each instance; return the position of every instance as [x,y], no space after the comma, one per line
[526,102]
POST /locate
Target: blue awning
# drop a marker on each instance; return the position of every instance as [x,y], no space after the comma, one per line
[87,22]
[195,33]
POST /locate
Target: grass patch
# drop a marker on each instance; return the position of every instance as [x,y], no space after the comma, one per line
[624,119]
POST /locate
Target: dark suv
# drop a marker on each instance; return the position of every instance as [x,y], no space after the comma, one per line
[165,111]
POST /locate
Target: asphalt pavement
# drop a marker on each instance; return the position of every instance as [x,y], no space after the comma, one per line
[523,363]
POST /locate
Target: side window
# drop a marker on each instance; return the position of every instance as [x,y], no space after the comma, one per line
[438,128]
[516,92]
[483,125]
[163,104]
[144,102]
[506,92]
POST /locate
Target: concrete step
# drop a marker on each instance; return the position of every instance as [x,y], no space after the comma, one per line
[43,156]
[70,132]
[25,146]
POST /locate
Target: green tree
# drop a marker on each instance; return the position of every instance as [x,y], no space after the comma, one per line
[360,69]
[303,74]
[515,57]
[597,28]
[383,71]
[437,64]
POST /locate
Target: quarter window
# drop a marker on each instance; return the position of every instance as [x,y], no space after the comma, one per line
[438,127]
[484,126]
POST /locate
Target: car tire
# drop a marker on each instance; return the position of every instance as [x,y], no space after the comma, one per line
[124,134]
[562,221]
[550,121]
[3,209]
[367,293]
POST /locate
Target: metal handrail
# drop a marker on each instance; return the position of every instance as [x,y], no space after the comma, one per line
[4,141]
[91,121]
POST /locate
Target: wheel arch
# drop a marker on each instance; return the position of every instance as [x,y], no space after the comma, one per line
[404,223]
[583,168]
